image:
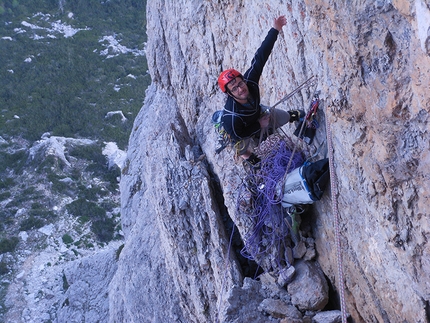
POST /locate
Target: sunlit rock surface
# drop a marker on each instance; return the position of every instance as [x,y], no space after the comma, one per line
[372,62]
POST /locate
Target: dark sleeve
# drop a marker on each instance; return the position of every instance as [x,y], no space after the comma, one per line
[261,56]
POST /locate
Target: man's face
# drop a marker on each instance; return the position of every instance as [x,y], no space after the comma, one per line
[238,88]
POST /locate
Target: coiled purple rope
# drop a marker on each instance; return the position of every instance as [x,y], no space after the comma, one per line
[270,230]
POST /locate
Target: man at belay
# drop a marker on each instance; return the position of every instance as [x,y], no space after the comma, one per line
[280,181]
[243,117]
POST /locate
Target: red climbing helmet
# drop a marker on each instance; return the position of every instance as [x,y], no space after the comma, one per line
[227,76]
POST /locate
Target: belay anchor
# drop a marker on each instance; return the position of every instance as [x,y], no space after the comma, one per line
[308,131]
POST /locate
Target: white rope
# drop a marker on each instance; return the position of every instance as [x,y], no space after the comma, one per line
[297,89]
[334,193]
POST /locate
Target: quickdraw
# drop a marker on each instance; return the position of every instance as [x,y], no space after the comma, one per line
[306,129]
[310,116]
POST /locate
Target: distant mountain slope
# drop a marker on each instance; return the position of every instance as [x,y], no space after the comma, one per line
[73,76]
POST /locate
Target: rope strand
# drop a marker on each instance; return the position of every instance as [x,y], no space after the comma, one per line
[334,192]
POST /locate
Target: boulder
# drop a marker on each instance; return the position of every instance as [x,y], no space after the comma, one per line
[328,317]
[309,290]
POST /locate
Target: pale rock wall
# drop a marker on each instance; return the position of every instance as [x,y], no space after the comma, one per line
[86,284]
[174,262]
[372,59]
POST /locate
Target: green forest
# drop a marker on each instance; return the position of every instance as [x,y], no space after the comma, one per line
[68,87]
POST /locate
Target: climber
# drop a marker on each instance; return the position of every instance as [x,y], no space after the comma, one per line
[243,117]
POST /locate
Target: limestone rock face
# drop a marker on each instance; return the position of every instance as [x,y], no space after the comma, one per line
[86,283]
[372,61]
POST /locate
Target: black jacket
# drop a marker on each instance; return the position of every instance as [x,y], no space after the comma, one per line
[241,121]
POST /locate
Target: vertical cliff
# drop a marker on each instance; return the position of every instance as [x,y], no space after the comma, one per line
[372,61]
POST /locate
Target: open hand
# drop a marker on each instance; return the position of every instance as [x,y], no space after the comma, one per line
[279,22]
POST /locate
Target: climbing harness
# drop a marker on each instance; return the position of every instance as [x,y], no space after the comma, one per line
[334,194]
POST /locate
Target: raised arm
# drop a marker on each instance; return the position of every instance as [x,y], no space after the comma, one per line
[263,53]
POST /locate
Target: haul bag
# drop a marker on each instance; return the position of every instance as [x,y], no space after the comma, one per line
[306,184]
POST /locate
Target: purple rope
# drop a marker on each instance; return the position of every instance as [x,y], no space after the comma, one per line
[270,229]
